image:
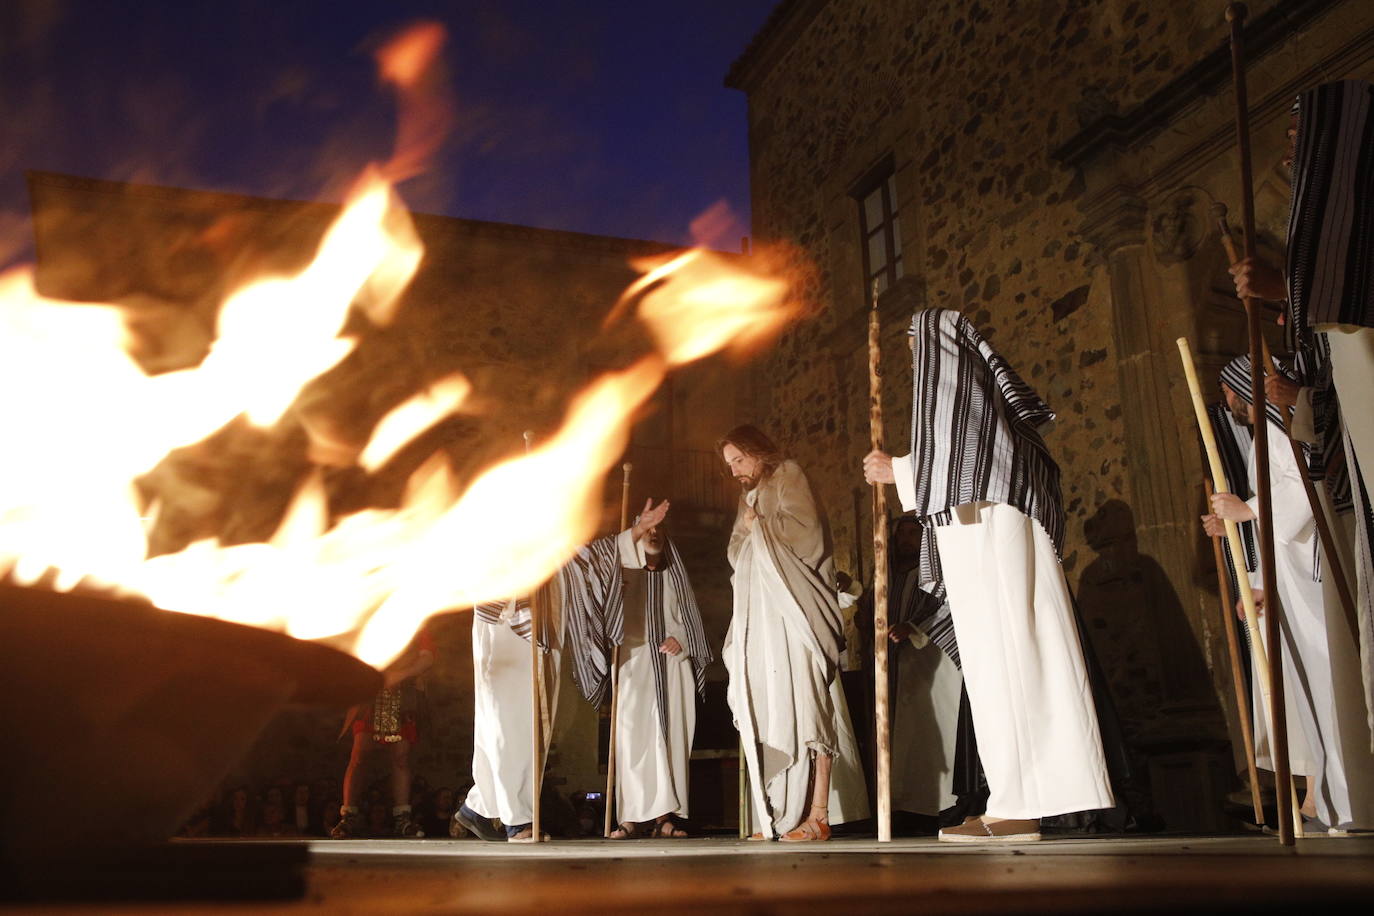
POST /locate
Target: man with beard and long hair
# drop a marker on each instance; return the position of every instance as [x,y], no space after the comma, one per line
[783,650]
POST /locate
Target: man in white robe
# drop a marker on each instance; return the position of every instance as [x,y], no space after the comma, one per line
[1321,665]
[782,651]
[631,590]
[663,656]
[1328,287]
[503,765]
[980,477]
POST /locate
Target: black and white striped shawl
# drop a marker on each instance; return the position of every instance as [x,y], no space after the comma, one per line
[975,433]
[496,613]
[1331,223]
[1234,442]
[1311,368]
[910,603]
[593,590]
[1236,376]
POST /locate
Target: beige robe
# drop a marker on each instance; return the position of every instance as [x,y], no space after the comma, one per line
[782,653]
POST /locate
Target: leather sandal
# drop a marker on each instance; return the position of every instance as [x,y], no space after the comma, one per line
[628,830]
[669,829]
[810,830]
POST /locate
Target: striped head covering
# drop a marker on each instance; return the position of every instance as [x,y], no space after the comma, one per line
[1331,223]
[975,433]
[1236,376]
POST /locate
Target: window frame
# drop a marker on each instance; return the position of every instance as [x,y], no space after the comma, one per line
[880,178]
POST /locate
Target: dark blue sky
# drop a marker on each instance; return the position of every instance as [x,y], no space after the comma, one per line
[604,117]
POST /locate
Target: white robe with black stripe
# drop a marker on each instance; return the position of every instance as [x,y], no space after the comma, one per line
[1321,666]
[653,745]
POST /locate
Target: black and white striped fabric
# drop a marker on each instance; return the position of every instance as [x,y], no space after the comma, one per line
[975,434]
[1331,223]
[673,575]
[501,613]
[1234,442]
[593,590]
[1311,368]
[1236,376]
[908,601]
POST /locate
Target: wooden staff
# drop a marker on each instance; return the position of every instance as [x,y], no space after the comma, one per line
[1221,485]
[1259,653]
[538,717]
[744,817]
[1235,15]
[1319,513]
[615,670]
[1228,621]
[880,700]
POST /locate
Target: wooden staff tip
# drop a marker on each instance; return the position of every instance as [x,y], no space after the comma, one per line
[1236,12]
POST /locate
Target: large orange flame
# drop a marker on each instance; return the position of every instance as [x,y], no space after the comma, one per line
[84,421]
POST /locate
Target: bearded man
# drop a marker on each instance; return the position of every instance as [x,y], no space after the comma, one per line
[783,650]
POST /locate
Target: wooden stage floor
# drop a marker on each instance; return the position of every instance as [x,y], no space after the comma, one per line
[718,876]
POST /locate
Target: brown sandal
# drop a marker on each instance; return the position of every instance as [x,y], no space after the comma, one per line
[626,831]
[813,829]
[667,829]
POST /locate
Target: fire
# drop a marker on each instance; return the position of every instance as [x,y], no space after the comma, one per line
[84,422]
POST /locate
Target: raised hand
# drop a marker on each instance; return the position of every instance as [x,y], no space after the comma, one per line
[649,518]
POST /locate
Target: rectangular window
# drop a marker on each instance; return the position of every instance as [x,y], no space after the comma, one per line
[880,227]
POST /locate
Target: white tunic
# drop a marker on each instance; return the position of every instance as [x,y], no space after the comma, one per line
[925,726]
[1352,372]
[782,701]
[1028,690]
[502,737]
[1321,666]
[651,775]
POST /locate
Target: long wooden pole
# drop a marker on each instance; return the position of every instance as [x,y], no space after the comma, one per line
[1320,516]
[537,698]
[880,698]
[744,817]
[1228,621]
[1235,15]
[615,671]
[1260,655]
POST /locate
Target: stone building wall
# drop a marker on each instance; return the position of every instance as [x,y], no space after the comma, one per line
[972,100]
